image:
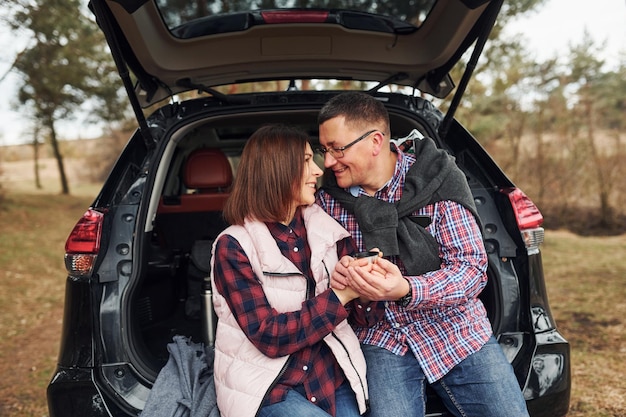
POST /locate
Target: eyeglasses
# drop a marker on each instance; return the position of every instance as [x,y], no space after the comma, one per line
[338,152]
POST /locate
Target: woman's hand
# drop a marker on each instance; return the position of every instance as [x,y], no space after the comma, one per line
[345,295]
[380,281]
[338,278]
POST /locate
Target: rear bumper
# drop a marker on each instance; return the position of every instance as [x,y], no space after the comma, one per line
[95,392]
[548,387]
[73,392]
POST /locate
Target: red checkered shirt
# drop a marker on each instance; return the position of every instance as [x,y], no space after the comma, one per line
[312,365]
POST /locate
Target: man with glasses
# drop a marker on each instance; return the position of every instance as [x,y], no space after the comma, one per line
[419,318]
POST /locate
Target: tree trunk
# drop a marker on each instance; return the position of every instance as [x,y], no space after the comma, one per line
[65,189]
[606,212]
[36,157]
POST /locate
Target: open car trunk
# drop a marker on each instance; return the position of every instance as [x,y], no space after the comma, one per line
[171,295]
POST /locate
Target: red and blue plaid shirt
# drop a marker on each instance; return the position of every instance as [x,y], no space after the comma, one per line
[312,366]
[445,321]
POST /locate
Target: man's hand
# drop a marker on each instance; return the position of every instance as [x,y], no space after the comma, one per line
[381,281]
[339,277]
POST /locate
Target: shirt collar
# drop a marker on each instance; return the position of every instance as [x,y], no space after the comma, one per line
[391,186]
[283,232]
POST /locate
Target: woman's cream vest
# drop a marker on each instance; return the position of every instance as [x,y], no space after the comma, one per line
[243,375]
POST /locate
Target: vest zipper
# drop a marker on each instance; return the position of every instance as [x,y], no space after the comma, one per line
[307,279]
[284,368]
[367,405]
[274,382]
[327,273]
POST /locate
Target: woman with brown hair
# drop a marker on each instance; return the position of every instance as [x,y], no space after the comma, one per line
[283,345]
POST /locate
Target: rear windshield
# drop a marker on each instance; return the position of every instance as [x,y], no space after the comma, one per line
[188,19]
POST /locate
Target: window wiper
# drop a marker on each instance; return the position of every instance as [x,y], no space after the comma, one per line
[391,80]
[223,98]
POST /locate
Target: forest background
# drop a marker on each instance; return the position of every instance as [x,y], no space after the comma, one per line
[555,126]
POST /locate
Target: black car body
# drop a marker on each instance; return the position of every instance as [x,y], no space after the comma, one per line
[136,270]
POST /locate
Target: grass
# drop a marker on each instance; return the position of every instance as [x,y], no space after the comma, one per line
[587,290]
[584,277]
[33,229]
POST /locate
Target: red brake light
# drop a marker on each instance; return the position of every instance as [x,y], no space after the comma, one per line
[527,214]
[295,16]
[85,237]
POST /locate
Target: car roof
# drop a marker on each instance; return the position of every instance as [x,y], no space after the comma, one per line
[169,50]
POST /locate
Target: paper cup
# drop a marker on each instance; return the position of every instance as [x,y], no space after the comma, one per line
[371,255]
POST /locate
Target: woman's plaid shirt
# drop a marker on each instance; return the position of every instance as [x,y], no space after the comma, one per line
[312,365]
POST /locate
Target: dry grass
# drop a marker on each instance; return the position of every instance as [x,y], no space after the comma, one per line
[585,279]
[587,288]
[19,176]
[33,229]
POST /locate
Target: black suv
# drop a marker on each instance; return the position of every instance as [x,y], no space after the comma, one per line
[211,75]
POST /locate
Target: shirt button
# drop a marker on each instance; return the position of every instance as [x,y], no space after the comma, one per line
[305,368]
[396,325]
[313,399]
[368,309]
[295,249]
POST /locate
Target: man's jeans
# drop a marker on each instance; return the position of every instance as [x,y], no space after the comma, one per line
[483,385]
[296,405]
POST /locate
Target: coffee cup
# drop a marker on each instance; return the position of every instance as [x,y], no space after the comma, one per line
[371,255]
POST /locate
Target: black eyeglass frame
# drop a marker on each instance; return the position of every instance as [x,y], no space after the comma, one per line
[335,151]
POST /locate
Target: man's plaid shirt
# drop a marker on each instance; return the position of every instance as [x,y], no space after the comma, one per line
[445,322]
[312,365]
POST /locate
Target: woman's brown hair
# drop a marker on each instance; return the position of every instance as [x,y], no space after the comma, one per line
[269,175]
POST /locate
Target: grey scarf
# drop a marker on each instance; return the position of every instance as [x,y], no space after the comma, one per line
[390,227]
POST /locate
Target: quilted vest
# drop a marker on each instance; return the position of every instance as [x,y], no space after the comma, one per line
[243,375]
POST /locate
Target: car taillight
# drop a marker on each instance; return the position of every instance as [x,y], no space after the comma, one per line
[294,16]
[83,244]
[528,217]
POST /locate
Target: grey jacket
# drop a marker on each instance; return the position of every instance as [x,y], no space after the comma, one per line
[184,386]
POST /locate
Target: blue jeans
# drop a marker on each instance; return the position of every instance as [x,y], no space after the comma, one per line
[483,385]
[297,405]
